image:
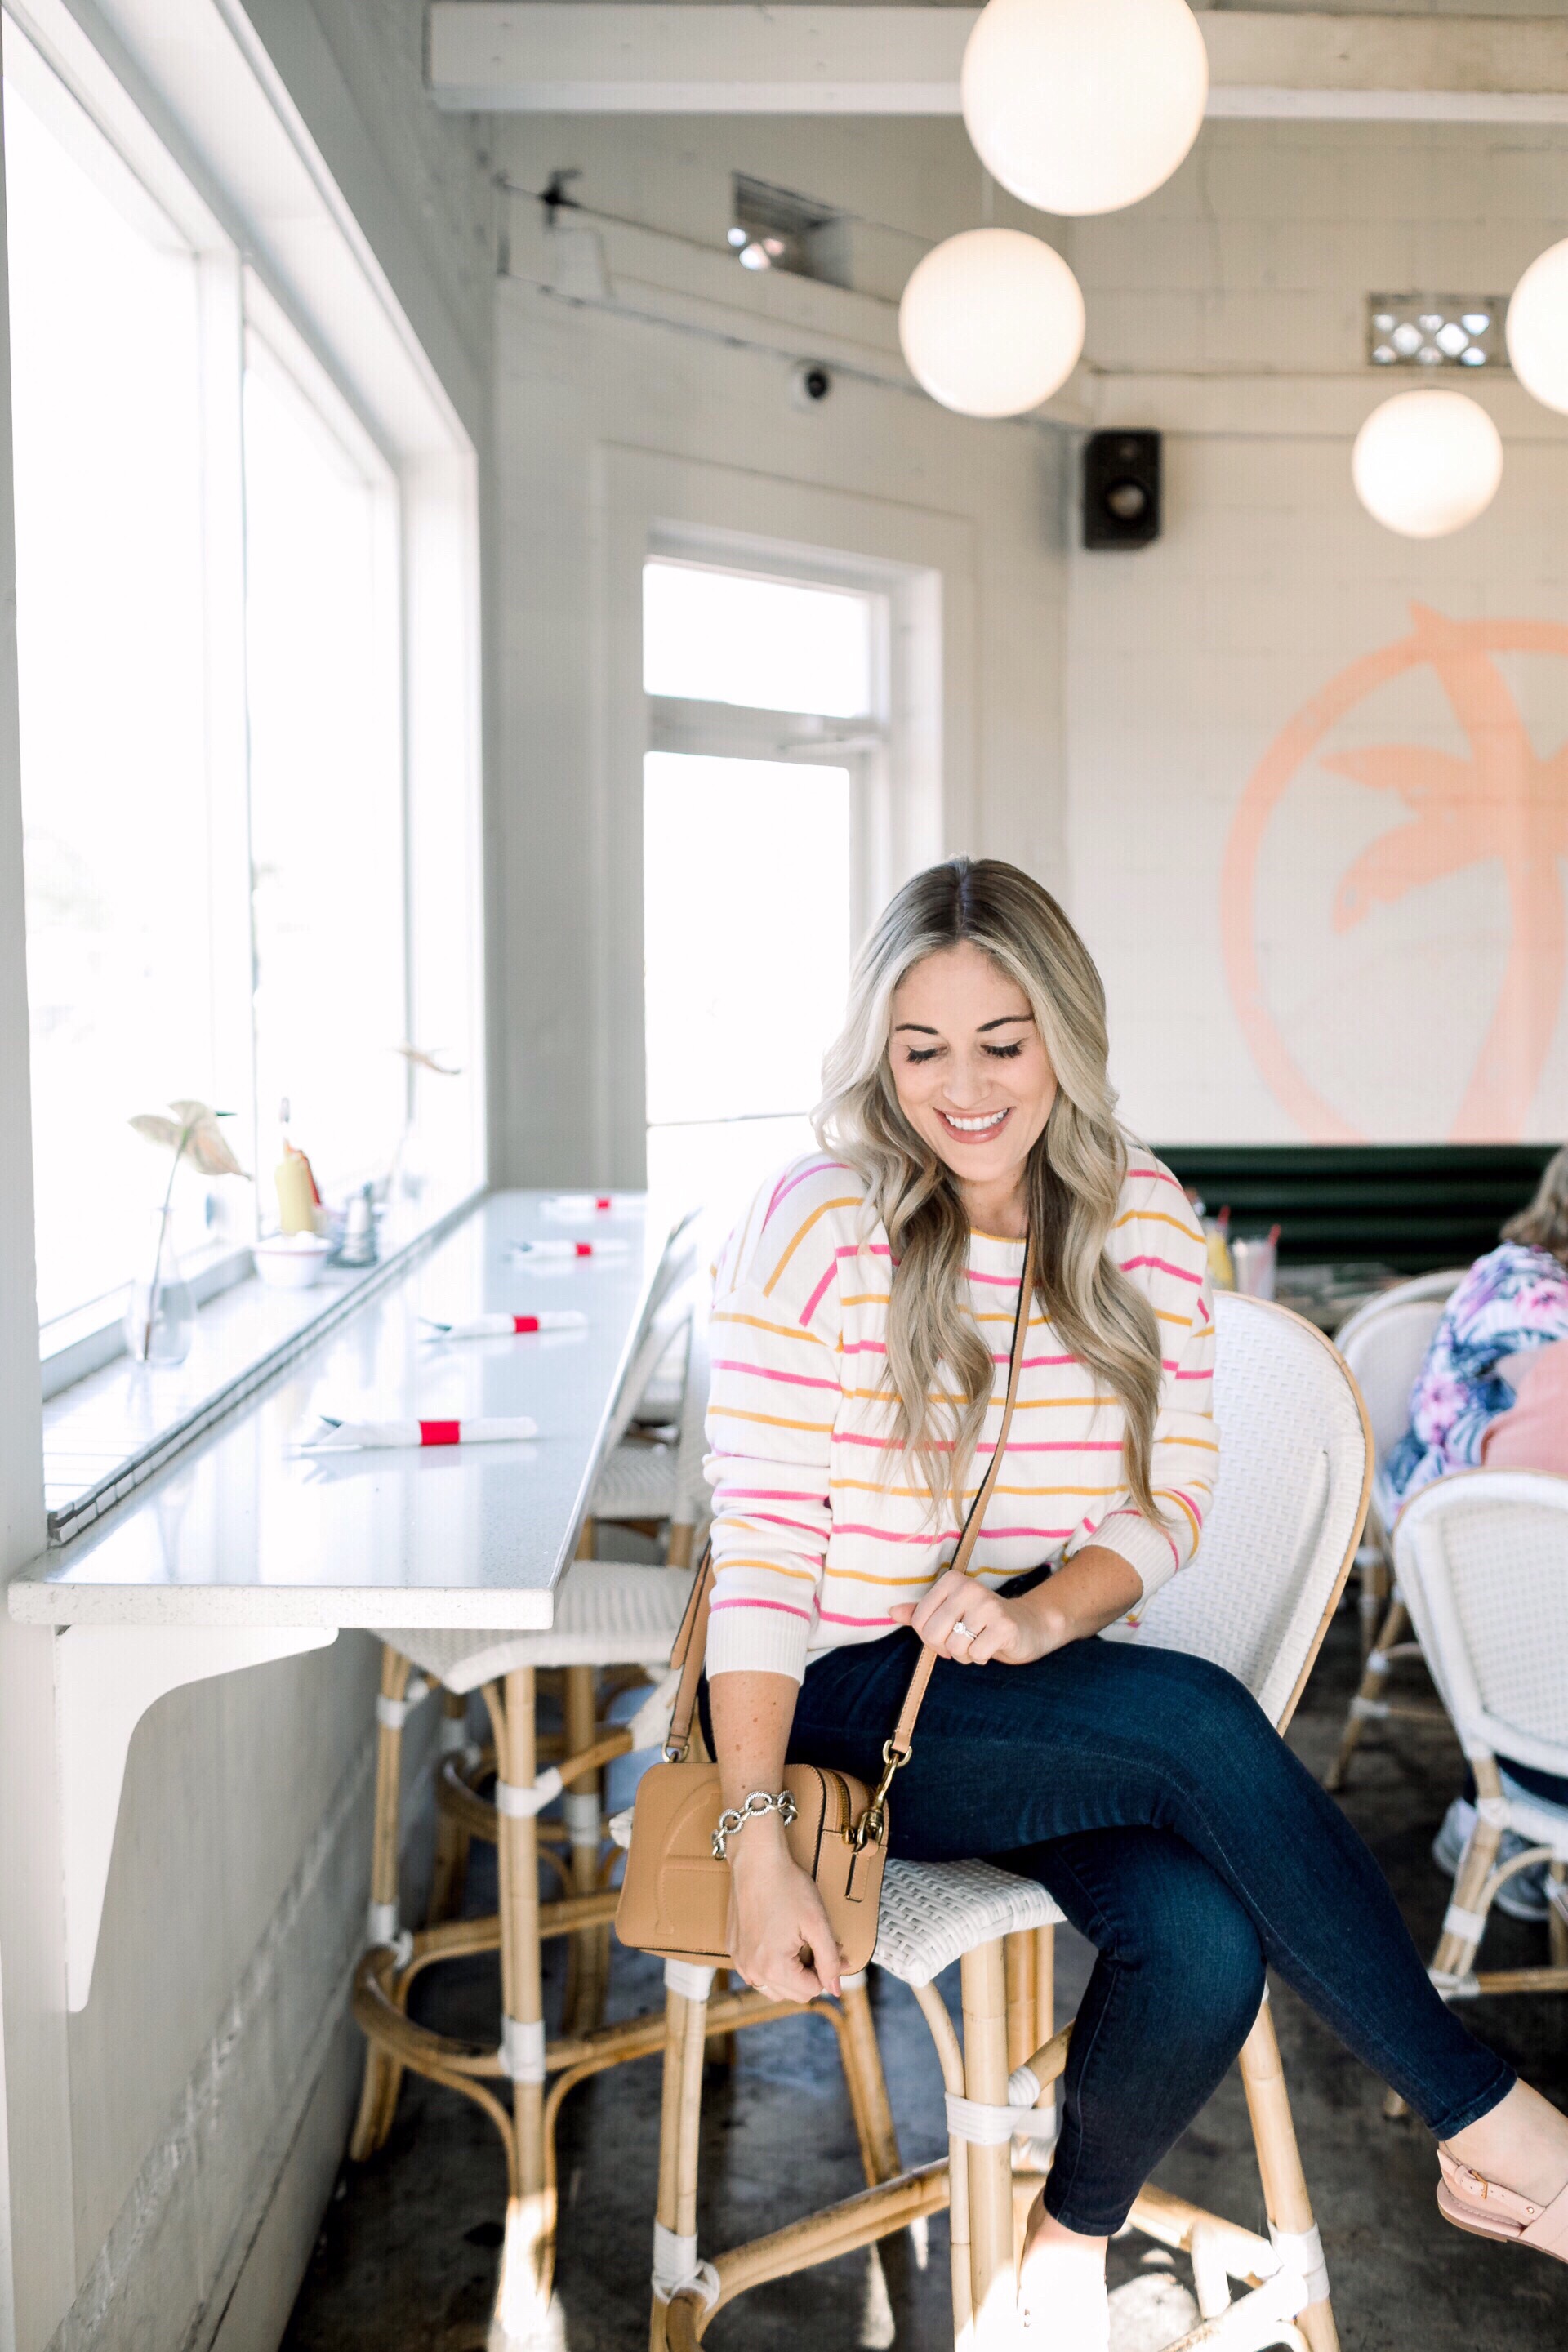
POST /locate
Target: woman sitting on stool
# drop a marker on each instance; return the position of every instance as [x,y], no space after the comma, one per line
[860,1324]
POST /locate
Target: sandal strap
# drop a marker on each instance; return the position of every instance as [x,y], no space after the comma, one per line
[1545,2226]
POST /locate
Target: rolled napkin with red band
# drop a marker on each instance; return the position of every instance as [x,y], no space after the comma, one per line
[361,1436]
[580,1204]
[526,1250]
[502,1327]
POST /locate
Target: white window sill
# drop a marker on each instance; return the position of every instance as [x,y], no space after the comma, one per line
[73,1346]
[107,1432]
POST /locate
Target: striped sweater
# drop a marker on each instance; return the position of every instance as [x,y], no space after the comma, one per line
[815,1532]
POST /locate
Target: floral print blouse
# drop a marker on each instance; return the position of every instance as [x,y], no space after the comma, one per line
[1514,1298]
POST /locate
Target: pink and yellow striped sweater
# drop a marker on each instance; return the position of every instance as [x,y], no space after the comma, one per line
[815,1534]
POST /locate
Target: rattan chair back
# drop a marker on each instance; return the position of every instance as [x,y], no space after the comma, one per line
[1294,1464]
[1482,1559]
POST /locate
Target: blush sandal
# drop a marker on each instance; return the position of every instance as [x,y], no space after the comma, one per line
[1479,2206]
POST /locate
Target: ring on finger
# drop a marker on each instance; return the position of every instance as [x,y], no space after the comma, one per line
[961,1630]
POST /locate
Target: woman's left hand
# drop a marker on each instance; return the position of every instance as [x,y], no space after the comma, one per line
[965,1621]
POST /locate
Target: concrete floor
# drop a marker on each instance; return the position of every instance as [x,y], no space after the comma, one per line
[406,2258]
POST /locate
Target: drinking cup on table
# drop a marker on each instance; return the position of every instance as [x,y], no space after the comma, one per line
[1255,1259]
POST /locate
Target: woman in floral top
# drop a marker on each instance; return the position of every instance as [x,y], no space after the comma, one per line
[1514,1299]
[1512,1302]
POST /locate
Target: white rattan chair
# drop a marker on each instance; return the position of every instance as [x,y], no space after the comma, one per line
[653,1481]
[1482,1558]
[1291,1501]
[1384,1343]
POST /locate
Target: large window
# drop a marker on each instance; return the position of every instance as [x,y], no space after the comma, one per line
[105,376]
[326,823]
[207,599]
[766,701]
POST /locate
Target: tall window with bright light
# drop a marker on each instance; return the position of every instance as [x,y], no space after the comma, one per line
[326,823]
[750,817]
[105,377]
[210,666]
[778,645]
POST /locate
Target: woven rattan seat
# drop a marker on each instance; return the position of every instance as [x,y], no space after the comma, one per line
[661,1478]
[607,1613]
[934,1912]
[662,1399]
[638,1482]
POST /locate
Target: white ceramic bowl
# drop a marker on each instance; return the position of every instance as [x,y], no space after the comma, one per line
[291,1260]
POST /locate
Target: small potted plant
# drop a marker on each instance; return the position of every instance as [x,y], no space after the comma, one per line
[160,1313]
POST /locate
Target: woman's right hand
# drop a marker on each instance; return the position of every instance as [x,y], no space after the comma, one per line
[780,1939]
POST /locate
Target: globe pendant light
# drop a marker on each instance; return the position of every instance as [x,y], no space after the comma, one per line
[1426,462]
[1538,328]
[991,322]
[1083,106]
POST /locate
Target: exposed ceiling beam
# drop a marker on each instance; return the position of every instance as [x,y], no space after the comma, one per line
[562,57]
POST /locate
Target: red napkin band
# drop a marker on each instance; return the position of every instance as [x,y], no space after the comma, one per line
[584,1249]
[604,1201]
[525,1322]
[440,1433]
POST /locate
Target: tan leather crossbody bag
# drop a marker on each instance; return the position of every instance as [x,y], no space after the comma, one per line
[675,1894]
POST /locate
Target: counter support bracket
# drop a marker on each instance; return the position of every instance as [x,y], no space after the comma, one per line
[106,1678]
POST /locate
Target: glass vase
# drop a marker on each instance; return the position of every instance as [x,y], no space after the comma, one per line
[159,1320]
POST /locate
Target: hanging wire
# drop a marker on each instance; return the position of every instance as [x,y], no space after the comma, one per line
[556,199]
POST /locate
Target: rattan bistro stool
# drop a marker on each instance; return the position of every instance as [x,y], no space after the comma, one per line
[1384,1343]
[1275,1558]
[609,1614]
[606,1614]
[1483,1557]
[655,1485]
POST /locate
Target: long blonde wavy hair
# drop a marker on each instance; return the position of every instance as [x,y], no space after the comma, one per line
[1072,1180]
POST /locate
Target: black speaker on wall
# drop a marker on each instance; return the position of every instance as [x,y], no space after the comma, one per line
[1120,489]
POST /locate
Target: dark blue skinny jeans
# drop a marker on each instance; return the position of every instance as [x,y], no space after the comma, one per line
[1150,1794]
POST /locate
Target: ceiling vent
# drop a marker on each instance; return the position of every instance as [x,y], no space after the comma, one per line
[773,228]
[1436,330]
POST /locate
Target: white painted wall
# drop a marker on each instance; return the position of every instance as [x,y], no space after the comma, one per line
[679,366]
[171,2146]
[34,2139]
[1228,311]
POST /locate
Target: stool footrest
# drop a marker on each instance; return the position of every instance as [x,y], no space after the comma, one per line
[381,2018]
[837,2229]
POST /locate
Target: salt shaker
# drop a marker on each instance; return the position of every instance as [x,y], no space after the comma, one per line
[359,1232]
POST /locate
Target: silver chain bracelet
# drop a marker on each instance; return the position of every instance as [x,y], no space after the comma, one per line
[758,1803]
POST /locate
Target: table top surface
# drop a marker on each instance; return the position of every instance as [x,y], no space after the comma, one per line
[239,1530]
[1329,1295]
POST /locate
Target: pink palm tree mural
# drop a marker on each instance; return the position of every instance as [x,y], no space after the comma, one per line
[1500,801]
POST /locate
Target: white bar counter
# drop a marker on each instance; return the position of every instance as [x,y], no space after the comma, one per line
[238,1532]
[240,1551]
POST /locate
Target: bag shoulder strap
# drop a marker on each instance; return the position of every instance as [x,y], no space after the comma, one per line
[688,1655]
[903,1730]
[691,1640]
